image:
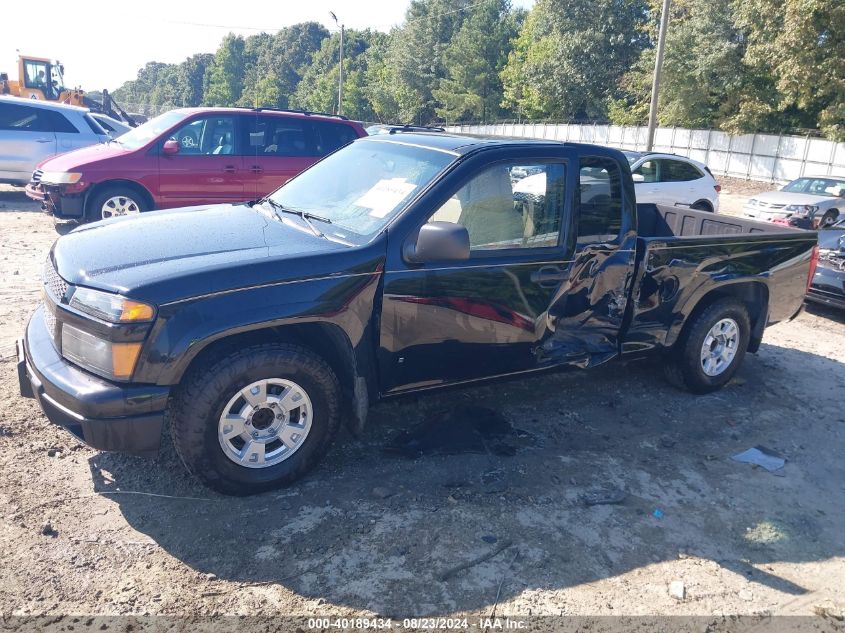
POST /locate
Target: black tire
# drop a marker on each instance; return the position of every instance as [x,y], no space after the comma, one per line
[196,408]
[94,207]
[702,205]
[684,367]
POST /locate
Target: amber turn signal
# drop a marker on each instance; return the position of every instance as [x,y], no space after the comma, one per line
[123,358]
[134,311]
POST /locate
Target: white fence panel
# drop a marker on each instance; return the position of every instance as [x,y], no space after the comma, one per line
[764,157]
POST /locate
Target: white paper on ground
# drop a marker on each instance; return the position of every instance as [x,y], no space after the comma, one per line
[764,457]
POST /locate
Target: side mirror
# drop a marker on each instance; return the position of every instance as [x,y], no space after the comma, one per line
[171,147]
[438,242]
[637,177]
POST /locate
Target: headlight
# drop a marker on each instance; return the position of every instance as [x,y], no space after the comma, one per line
[111,360]
[111,307]
[805,209]
[61,177]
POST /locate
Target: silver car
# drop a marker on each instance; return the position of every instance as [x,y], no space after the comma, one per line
[815,200]
[114,127]
[32,130]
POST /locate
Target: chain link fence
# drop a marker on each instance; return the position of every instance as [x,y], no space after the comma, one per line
[776,158]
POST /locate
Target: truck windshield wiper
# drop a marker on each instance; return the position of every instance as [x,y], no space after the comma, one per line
[305,215]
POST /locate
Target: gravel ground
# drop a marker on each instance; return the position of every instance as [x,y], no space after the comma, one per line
[370,533]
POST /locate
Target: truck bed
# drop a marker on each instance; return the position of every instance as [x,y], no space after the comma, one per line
[664,221]
[685,256]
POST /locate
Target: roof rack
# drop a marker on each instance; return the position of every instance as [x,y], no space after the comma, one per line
[305,112]
[413,128]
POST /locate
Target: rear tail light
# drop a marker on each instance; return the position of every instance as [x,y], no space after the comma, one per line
[718,188]
[814,260]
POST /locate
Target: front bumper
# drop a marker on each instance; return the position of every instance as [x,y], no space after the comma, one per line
[69,206]
[105,415]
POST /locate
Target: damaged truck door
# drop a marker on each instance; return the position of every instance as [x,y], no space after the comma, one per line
[529,293]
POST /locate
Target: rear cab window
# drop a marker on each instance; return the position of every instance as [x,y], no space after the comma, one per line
[600,200]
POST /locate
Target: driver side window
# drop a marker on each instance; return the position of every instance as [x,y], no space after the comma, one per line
[207,136]
[509,206]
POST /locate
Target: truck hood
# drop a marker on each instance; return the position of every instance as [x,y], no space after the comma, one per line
[788,197]
[166,256]
[82,157]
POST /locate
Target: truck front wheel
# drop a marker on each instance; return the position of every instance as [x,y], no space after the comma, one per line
[255,419]
[711,348]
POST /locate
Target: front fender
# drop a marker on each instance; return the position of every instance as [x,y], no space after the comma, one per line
[185,328]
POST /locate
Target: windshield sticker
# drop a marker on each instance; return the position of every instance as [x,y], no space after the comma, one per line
[383,197]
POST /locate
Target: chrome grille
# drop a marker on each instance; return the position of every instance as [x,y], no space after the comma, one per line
[36,175]
[769,205]
[56,286]
[50,320]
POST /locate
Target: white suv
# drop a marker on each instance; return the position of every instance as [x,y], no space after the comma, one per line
[673,180]
[31,131]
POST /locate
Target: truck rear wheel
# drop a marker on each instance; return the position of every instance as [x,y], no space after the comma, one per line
[256,419]
[711,348]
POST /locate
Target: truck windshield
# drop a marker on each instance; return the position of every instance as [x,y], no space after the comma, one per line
[145,133]
[361,187]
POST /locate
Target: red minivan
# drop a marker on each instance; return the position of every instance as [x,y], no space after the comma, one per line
[187,157]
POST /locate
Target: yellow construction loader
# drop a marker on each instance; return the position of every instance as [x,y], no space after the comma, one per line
[43,79]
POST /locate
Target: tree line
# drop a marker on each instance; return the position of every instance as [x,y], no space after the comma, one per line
[735,65]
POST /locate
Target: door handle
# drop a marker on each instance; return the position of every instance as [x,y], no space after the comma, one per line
[43,140]
[229,169]
[256,169]
[548,276]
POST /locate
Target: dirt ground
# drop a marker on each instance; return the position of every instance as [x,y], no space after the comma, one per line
[369,533]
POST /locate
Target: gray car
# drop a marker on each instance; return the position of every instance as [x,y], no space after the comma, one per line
[32,130]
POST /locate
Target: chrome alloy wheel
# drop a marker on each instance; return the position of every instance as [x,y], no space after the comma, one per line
[119,205]
[719,347]
[265,423]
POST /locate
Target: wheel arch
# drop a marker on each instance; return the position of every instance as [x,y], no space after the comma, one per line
[120,182]
[704,202]
[353,367]
[753,294]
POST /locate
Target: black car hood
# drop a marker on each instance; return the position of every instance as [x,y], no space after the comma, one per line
[176,254]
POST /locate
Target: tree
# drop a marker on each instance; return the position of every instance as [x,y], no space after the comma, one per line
[570,55]
[474,59]
[702,69]
[318,88]
[191,77]
[280,64]
[380,94]
[415,61]
[225,75]
[798,47]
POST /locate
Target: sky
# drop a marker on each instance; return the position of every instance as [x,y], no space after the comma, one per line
[101,44]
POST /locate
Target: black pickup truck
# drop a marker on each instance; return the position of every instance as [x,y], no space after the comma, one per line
[401,263]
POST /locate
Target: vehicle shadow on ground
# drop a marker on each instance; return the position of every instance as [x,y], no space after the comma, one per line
[402,536]
[15,201]
[834,314]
